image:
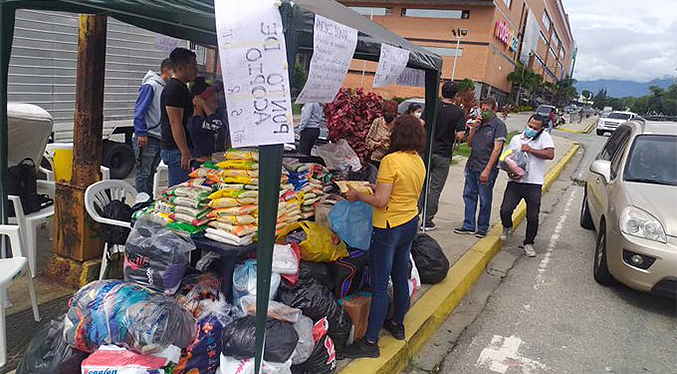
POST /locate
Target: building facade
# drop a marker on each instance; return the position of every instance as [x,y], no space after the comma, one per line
[484,39]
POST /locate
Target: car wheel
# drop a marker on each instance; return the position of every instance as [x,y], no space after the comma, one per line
[119,158]
[600,268]
[585,219]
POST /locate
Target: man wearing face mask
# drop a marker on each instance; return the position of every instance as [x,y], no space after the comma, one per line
[540,147]
[487,135]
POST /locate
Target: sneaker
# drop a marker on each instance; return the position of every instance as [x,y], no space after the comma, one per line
[505,235]
[428,226]
[397,331]
[462,231]
[361,348]
[529,250]
[480,234]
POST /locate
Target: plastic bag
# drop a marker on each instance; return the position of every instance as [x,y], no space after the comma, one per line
[352,222]
[285,260]
[323,358]
[275,310]
[120,211]
[339,156]
[114,359]
[349,275]
[128,315]
[203,355]
[49,353]
[430,260]
[318,271]
[244,281]
[515,163]
[318,302]
[304,348]
[239,338]
[319,245]
[231,365]
[156,256]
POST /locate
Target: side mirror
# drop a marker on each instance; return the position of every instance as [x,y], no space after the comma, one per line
[603,168]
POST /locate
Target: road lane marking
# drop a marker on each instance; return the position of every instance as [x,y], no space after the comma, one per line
[543,266]
[502,354]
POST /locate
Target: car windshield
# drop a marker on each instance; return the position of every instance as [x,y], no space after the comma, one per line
[653,159]
[543,110]
[618,116]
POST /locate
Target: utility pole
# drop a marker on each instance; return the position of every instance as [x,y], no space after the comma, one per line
[459,34]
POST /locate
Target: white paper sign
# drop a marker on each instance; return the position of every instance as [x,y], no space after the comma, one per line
[391,63]
[255,72]
[412,77]
[167,43]
[333,48]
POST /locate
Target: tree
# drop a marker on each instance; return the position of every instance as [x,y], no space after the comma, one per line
[525,78]
[299,77]
[599,101]
[564,91]
[587,94]
[466,85]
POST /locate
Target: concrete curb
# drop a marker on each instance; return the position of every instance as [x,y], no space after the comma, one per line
[430,311]
[584,131]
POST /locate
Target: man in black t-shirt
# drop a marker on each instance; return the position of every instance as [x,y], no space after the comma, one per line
[176,106]
[450,127]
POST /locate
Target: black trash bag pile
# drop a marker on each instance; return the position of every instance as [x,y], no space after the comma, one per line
[430,261]
[318,271]
[239,338]
[323,358]
[317,302]
[49,353]
[120,211]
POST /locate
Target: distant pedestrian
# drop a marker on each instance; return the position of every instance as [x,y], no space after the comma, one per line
[147,133]
[177,108]
[378,137]
[487,135]
[312,118]
[450,128]
[540,147]
[416,110]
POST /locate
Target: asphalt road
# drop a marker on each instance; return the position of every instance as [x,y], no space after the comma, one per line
[547,314]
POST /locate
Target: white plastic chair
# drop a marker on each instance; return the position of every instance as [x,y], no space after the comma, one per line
[99,195]
[29,224]
[161,169]
[9,269]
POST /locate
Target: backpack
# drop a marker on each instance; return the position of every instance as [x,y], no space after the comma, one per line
[22,181]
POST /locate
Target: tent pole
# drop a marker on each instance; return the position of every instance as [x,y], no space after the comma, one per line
[270,170]
[432,84]
[7,13]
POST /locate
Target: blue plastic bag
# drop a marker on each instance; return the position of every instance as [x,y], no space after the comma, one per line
[352,222]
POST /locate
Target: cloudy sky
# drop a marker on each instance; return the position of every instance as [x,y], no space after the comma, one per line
[624,39]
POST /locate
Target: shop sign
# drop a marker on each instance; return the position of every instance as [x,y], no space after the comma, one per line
[333,49]
[506,35]
[391,64]
[255,72]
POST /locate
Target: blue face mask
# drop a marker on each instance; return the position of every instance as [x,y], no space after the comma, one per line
[530,133]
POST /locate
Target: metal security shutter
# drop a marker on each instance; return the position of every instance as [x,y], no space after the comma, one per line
[43,67]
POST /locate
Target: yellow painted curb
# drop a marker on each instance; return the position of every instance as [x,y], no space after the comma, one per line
[430,311]
[584,131]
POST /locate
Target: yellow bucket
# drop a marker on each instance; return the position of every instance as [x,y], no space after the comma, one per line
[63,162]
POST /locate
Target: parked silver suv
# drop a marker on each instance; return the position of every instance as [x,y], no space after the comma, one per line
[631,201]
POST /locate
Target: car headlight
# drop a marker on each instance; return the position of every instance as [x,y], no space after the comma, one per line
[637,222]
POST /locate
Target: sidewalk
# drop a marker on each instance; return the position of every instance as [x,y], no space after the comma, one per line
[579,128]
[467,255]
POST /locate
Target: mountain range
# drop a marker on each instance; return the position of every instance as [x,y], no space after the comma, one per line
[621,88]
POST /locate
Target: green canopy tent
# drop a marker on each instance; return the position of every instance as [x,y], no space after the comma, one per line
[194,20]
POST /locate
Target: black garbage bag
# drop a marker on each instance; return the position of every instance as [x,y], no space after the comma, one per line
[323,358]
[317,302]
[120,211]
[49,353]
[349,275]
[318,271]
[239,338]
[430,261]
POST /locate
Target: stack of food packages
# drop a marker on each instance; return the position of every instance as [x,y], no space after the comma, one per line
[310,182]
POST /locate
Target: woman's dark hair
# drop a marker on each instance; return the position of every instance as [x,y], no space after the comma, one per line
[390,107]
[199,86]
[407,135]
[413,107]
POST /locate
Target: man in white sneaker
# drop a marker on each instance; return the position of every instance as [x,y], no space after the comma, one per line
[540,147]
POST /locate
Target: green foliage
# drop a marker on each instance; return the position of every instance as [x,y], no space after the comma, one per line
[510,135]
[587,94]
[522,109]
[466,85]
[599,101]
[462,150]
[298,79]
[296,108]
[658,102]
[526,77]
[564,91]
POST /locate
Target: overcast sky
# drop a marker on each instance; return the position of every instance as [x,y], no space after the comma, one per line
[624,39]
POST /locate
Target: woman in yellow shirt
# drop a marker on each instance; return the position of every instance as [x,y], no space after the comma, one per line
[398,186]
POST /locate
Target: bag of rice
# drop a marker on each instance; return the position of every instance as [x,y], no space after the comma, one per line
[186,218]
[195,213]
[236,220]
[234,194]
[224,237]
[242,154]
[186,201]
[237,230]
[238,164]
[240,173]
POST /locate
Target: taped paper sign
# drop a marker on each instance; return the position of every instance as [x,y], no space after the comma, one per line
[333,49]
[412,77]
[255,72]
[391,64]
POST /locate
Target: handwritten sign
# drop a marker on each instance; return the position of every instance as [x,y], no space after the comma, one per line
[167,43]
[333,48]
[391,64]
[255,72]
[412,77]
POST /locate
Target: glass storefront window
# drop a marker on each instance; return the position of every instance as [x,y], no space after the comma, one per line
[436,13]
[369,11]
[546,21]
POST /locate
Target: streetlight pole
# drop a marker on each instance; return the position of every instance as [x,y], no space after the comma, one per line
[459,34]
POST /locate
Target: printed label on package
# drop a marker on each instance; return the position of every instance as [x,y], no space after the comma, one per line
[255,72]
[333,48]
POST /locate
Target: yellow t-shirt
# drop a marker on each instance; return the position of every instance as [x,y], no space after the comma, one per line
[406,172]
